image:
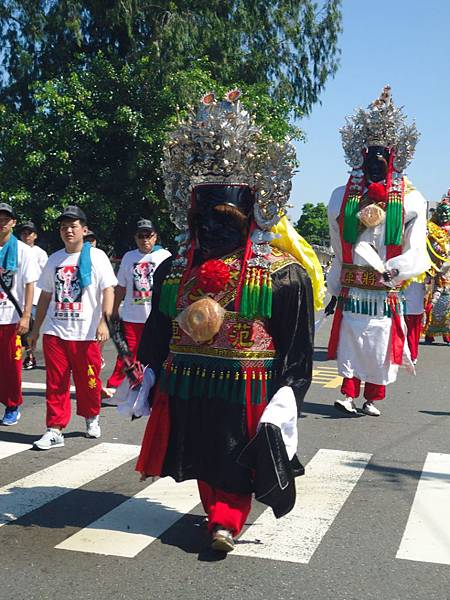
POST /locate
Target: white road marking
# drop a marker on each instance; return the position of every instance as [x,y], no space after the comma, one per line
[35,490]
[11,448]
[427,534]
[330,477]
[132,526]
[31,385]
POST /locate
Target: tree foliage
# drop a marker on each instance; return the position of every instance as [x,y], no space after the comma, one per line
[290,45]
[313,224]
[89,90]
[95,139]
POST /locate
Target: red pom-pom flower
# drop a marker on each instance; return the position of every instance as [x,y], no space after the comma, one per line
[213,276]
[377,192]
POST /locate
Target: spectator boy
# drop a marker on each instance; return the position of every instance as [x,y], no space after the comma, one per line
[135,287]
[77,294]
[28,235]
[18,272]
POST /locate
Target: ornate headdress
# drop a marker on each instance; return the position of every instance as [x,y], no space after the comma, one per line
[219,143]
[381,124]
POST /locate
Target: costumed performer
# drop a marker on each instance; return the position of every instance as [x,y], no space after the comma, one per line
[438,296]
[230,336]
[377,228]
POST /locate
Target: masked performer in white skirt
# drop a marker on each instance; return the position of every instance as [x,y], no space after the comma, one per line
[378,233]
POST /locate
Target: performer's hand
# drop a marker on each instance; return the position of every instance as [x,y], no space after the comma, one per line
[102,333]
[23,325]
[32,338]
[134,372]
[389,275]
[329,308]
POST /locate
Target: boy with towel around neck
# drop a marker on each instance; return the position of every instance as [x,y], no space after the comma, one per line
[19,272]
[77,294]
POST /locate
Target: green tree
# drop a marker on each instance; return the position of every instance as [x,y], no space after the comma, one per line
[95,139]
[313,224]
[288,45]
[89,90]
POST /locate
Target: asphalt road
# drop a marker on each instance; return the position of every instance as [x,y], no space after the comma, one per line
[345,541]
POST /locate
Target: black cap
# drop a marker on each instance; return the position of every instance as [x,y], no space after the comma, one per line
[90,233]
[7,208]
[144,224]
[28,225]
[73,212]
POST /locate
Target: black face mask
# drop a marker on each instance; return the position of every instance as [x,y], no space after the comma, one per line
[376,163]
[219,233]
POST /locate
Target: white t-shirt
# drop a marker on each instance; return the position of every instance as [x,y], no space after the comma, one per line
[73,313]
[136,275]
[41,257]
[27,272]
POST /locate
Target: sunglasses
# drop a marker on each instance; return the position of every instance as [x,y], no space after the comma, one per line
[144,236]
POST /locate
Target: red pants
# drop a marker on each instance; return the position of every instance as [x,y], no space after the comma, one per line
[83,359]
[413,326]
[132,333]
[372,391]
[223,508]
[10,366]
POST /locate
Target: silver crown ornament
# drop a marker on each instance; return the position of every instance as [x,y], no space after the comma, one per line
[381,124]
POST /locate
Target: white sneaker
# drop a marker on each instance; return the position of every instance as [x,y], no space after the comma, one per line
[52,438]
[346,405]
[92,427]
[370,409]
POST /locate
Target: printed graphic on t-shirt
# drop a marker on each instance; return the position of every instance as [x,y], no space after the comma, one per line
[7,277]
[68,293]
[142,282]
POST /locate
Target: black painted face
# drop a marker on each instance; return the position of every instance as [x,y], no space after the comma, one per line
[376,163]
[221,217]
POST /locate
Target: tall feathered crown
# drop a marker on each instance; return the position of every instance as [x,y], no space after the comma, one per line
[220,143]
[381,124]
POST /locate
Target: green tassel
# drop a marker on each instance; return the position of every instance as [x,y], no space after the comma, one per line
[244,304]
[183,387]
[251,296]
[172,381]
[236,387]
[394,221]
[269,296]
[351,225]
[212,385]
[163,379]
[243,387]
[257,389]
[168,298]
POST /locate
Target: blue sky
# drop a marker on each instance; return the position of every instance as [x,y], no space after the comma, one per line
[403,43]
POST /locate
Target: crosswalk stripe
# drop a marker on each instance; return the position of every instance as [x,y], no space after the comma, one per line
[427,534]
[11,448]
[329,479]
[27,494]
[128,529]
[31,385]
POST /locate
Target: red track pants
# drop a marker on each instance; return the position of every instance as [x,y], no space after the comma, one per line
[83,359]
[132,333]
[10,366]
[372,391]
[224,509]
[413,326]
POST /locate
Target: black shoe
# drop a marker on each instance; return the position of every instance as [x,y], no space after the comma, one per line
[29,363]
[222,540]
